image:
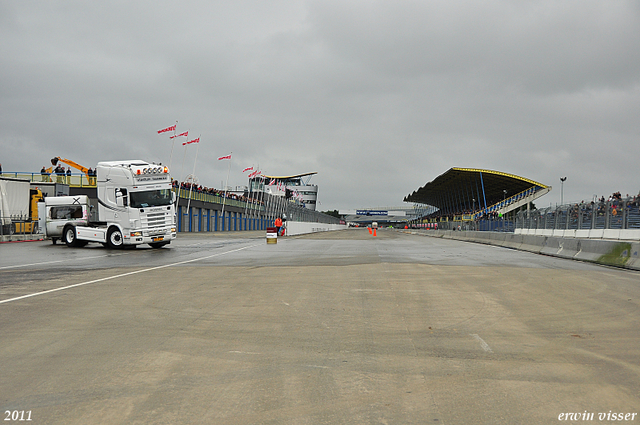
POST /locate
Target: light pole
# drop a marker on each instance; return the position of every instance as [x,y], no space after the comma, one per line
[504,198]
[562,180]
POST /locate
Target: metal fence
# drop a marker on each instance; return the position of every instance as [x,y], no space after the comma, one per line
[277,206]
[615,214]
[218,199]
[497,224]
[19,228]
[75,179]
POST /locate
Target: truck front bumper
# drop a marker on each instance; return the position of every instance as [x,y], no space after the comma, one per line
[137,238]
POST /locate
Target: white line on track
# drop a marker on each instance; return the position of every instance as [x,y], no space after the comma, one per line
[59,261]
[125,274]
[483,344]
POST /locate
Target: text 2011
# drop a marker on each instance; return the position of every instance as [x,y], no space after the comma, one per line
[17,415]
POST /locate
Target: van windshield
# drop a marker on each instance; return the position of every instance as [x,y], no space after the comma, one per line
[150,198]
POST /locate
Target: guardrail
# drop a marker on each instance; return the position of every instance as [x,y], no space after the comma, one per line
[75,179]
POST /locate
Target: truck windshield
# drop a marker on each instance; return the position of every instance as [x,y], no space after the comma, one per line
[150,198]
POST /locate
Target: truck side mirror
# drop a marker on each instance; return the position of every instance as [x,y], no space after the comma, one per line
[121,198]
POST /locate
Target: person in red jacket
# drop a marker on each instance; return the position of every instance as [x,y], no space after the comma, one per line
[278,225]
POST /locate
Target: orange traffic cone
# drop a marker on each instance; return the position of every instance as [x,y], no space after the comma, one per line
[369,229]
[374,232]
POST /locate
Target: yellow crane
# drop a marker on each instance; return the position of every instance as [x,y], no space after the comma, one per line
[61,179]
[56,159]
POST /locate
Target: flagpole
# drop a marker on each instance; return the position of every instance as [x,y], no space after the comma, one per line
[183,157]
[246,204]
[266,198]
[224,200]
[261,202]
[193,176]
[180,176]
[254,212]
[173,142]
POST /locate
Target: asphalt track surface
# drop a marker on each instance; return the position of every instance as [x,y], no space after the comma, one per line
[331,328]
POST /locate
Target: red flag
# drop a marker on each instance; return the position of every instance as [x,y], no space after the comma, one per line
[185,134]
[272,182]
[172,128]
[192,141]
[247,169]
[224,157]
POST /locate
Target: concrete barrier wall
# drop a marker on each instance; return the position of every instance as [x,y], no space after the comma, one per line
[619,253]
[617,234]
[300,228]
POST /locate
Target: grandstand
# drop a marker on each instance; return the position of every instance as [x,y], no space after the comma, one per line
[294,187]
[470,194]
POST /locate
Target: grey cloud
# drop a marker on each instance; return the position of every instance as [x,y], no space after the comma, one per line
[378,97]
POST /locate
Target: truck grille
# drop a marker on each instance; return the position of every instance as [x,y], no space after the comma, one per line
[157,222]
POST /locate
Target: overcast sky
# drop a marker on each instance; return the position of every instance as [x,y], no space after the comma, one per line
[378,97]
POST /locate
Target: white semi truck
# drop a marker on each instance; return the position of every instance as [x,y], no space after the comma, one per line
[134,205]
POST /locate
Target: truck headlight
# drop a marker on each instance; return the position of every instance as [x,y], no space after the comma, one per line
[133,234]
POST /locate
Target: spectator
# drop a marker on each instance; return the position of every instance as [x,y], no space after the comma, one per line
[90,176]
[278,225]
[59,171]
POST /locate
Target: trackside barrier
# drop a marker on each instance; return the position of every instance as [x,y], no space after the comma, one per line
[625,254]
[301,227]
[272,235]
[513,241]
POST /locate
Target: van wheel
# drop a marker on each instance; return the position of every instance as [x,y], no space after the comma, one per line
[114,238]
[69,236]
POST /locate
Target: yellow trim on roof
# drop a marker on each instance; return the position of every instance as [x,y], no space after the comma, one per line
[500,173]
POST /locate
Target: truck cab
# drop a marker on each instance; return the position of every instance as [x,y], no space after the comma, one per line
[134,205]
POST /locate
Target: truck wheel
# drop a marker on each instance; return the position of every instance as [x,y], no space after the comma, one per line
[114,238]
[69,236]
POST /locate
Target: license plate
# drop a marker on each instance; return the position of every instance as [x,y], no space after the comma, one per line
[158,239]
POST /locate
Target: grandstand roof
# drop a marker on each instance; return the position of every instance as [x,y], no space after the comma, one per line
[456,188]
[289,177]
